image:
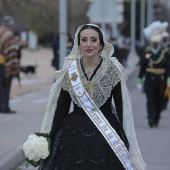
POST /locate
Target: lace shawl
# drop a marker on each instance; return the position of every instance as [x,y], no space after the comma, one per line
[106,77]
[128,123]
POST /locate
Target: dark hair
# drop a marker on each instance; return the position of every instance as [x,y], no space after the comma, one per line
[94,28]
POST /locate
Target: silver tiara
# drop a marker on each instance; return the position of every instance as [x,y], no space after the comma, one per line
[92,25]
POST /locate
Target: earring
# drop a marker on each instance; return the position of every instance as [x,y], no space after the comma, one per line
[80,52]
[100,52]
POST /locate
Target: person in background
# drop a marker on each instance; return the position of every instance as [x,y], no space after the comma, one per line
[20,44]
[153,68]
[123,45]
[69,44]
[116,53]
[9,63]
[55,47]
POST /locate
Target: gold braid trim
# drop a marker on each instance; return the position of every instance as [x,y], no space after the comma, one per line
[159,59]
[155,70]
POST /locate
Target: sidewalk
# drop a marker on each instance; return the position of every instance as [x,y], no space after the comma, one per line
[14,129]
[44,71]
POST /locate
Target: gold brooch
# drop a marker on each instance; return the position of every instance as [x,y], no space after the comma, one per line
[88,85]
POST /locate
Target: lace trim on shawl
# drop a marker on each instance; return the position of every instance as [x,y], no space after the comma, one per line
[103,82]
[137,160]
[52,103]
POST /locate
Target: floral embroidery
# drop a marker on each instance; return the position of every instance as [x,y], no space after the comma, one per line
[74,76]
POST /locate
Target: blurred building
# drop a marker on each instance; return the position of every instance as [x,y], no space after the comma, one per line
[161,10]
[165,2]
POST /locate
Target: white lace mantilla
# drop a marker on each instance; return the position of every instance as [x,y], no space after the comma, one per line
[102,83]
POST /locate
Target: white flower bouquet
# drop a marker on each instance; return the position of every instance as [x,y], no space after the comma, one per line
[37,148]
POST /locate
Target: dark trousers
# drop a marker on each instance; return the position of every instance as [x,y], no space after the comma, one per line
[154,102]
[5,87]
[164,102]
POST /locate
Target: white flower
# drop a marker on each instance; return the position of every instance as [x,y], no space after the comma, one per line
[36,148]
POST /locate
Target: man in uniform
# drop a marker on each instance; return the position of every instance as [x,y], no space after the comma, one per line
[9,64]
[153,68]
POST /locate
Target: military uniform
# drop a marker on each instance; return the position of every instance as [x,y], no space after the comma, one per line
[154,68]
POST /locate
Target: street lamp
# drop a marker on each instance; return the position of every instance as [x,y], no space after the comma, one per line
[142,22]
[149,11]
[133,26]
[62,31]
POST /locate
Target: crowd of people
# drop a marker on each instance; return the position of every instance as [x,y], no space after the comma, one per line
[121,49]
[56,50]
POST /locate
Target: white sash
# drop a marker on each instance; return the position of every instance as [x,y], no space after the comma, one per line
[97,117]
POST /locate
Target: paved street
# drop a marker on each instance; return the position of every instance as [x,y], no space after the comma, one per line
[14,129]
[154,143]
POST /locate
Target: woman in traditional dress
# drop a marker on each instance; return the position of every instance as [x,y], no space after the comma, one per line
[85,133]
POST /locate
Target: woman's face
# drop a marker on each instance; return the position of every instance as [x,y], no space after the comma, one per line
[89,43]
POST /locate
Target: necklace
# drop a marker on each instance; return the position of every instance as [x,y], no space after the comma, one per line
[89,73]
[88,84]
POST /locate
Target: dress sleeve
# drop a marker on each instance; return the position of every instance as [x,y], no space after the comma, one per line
[117,95]
[63,107]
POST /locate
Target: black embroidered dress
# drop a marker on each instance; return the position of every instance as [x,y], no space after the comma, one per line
[76,142]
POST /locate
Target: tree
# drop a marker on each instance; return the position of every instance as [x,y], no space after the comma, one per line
[42,16]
